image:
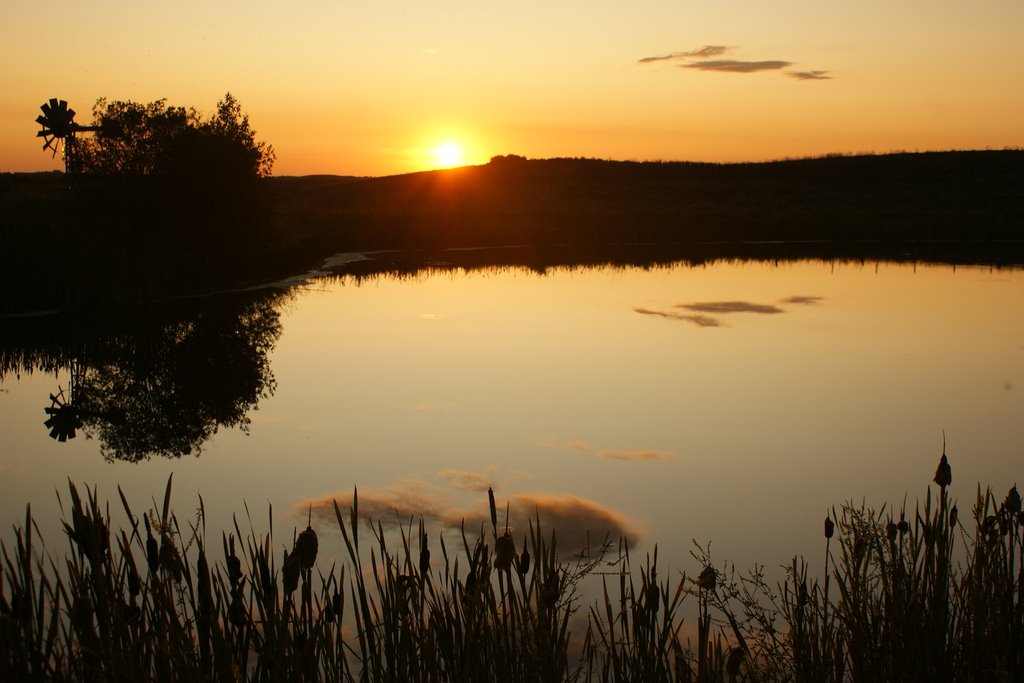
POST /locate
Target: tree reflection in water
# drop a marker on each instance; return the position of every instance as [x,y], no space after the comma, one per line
[155,385]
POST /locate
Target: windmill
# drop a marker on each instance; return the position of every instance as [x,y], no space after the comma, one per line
[58,123]
[64,419]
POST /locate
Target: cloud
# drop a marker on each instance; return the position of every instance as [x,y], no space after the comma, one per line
[467,481]
[585,447]
[636,455]
[571,518]
[737,66]
[700,59]
[803,300]
[731,307]
[698,320]
[702,52]
[396,504]
[809,75]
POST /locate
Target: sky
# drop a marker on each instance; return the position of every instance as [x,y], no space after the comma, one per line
[355,87]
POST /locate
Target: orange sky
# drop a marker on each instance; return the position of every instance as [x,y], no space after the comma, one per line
[369,88]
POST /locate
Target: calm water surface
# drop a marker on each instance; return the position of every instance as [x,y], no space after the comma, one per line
[734,402]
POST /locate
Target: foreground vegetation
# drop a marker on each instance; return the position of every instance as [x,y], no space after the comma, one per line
[922,594]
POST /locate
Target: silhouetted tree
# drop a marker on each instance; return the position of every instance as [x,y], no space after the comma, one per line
[177,190]
[166,390]
[159,383]
[155,139]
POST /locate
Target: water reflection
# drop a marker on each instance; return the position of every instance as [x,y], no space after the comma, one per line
[151,383]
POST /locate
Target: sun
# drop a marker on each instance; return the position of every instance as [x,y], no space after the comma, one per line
[448,154]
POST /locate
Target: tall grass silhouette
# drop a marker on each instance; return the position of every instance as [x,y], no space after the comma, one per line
[908,594]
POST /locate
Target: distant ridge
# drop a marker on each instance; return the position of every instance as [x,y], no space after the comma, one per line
[957,197]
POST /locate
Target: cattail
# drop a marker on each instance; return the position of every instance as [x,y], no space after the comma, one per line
[890,531]
[903,526]
[830,527]
[234,566]
[708,579]
[152,551]
[236,613]
[134,582]
[1012,502]
[953,515]
[504,552]
[424,557]
[494,509]
[336,603]
[169,558]
[290,570]
[943,473]
[203,579]
[551,590]
[524,559]
[306,547]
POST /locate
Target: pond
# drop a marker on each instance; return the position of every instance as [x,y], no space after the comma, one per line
[733,402]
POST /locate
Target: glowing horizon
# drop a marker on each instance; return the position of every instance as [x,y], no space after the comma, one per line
[356,89]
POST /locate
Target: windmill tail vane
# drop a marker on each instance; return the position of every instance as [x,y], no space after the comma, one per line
[57,123]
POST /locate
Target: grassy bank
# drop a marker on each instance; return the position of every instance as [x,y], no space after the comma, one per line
[913,594]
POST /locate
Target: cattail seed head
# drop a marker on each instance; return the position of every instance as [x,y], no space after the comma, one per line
[524,559]
[1012,502]
[903,526]
[830,527]
[943,473]
[290,570]
[236,613]
[169,558]
[953,516]
[494,509]
[234,569]
[152,551]
[708,579]
[424,558]
[504,552]
[306,546]
[890,531]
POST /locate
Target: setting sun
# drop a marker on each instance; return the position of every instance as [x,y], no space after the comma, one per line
[448,154]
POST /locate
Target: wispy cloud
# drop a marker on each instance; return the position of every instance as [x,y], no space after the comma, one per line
[610,454]
[467,481]
[737,66]
[700,59]
[699,309]
[809,75]
[803,300]
[731,307]
[701,52]
[698,320]
[636,455]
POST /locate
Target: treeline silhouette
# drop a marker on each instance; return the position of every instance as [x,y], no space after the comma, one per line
[963,197]
[207,217]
